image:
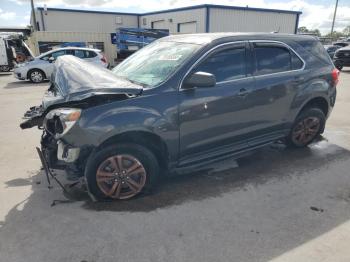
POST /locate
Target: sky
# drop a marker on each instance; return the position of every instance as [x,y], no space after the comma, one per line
[316,13]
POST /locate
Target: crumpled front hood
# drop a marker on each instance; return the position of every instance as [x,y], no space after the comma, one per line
[76,79]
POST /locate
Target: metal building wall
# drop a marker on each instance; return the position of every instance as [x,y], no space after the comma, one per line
[41,36]
[173,18]
[231,20]
[67,21]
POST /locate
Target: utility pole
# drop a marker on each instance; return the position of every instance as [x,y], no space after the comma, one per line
[33,15]
[335,13]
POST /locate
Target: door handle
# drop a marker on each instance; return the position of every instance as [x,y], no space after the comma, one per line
[243,92]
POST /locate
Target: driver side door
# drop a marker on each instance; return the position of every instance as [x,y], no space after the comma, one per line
[213,120]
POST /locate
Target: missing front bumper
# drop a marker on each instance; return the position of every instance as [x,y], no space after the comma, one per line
[33,117]
[67,153]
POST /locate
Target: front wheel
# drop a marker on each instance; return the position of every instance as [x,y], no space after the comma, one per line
[121,171]
[36,76]
[308,125]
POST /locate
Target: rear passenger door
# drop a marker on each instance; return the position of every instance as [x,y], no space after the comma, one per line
[278,73]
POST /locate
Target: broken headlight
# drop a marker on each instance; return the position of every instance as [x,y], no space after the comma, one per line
[59,121]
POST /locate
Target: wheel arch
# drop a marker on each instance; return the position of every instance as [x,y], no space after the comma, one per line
[149,140]
[319,102]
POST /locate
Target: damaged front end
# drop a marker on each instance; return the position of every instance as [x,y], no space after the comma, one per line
[75,86]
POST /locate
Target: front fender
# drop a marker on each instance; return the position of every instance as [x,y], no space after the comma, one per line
[98,124]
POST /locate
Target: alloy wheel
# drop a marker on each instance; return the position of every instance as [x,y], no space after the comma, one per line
[121,176]
[306,130]
[36,76]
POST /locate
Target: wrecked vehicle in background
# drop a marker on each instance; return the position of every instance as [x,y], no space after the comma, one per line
[180,103]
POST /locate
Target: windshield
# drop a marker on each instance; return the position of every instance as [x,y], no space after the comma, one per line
[154,63]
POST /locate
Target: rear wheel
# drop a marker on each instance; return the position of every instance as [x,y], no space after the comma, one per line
[121,171]
[4,68]
[36,76]
[308,125]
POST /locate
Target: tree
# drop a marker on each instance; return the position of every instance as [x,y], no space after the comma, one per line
[316,32]
[335,35]
[303,29]
[346,31]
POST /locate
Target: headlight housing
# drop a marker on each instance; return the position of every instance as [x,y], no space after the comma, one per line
[59,121]
[21,64]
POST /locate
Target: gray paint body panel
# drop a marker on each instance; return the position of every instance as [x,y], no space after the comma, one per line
[211,121]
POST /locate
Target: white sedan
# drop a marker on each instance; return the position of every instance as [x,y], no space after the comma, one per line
[41,67]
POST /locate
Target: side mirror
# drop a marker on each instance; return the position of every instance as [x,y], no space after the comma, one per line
[200,79]
[51,59]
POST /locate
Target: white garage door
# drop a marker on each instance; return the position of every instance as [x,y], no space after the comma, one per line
[187,28]
[159,24]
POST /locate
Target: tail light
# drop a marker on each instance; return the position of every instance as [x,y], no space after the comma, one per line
[104,59]
[335,76]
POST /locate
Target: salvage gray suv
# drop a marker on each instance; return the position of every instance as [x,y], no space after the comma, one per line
[181,103]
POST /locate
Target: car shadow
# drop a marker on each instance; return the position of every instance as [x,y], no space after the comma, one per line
[5,73]
[264,165]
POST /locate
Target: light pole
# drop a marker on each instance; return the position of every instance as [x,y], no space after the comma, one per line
[33,14]
[335,13]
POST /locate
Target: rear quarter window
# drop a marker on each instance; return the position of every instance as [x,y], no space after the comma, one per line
[90,54]
[272,59]
[317,51]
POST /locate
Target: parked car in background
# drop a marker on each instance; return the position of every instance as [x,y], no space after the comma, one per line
[331,49]
[341,44]
[41,67]
[342,57]
[181,103]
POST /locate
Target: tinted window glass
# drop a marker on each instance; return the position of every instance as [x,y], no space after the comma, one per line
[225,65]
[316,49]
[58,53]
[272,59]
[296,62]
[90,54]
[79,53]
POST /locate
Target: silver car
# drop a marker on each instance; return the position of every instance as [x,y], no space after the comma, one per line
[41,67]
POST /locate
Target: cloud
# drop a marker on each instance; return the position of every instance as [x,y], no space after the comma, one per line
[314,15]
[7,15]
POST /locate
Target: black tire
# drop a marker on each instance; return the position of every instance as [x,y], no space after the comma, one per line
[339,67]
[5,68]
[143,155]
[36,76]
[304,123]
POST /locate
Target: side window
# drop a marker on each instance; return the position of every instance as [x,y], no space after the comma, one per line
[45,58]
[79,53]
[296,62]
[225,65]
[90,54]
[272,59]
[58,53]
